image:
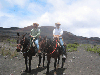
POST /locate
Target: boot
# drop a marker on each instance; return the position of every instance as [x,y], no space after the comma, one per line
[64,53]
[64,56]
[36,52]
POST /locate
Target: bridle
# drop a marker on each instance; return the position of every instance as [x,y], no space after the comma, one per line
[55,47]
[19,45]
[45,43]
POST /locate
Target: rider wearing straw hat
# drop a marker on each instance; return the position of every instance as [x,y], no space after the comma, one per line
[58,33]
[35,33]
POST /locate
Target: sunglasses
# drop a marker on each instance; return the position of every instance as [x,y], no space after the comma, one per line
[35,24]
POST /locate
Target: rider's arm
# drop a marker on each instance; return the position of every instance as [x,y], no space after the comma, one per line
[38,34]
[31,32]
[61,32]
[54,33]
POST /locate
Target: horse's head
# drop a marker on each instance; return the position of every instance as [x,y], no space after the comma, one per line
[20,42]
[42,43]
[55,38]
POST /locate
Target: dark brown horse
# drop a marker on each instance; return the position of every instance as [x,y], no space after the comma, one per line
[42,47]
[53,49]
[26,50]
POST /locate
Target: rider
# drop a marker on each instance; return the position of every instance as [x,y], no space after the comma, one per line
[58,33]
[35,33]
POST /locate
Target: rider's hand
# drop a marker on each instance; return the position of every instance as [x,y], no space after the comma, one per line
[33,38]
[56,36]
[30,35]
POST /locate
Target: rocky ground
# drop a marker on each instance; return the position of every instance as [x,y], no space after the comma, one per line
[79,62]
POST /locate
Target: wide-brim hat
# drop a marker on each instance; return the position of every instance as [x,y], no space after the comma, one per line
[57,24]
[36,24]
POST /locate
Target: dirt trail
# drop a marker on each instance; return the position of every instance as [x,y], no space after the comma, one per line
[80,62]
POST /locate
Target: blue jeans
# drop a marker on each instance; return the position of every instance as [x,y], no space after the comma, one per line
[36,42]
[61,42]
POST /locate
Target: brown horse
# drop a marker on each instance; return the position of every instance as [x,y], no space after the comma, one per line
[26,50]
[42,47]
[53,50]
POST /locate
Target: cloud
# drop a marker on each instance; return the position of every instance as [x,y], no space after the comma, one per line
[87,32]
[81,17]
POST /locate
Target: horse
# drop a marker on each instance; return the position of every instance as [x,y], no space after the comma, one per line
[53,50]
[42,47]
[26,50]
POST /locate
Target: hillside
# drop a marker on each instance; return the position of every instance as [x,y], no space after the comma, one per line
[48,31]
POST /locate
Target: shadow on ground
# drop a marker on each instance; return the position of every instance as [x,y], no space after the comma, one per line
[59,71]
[34,71]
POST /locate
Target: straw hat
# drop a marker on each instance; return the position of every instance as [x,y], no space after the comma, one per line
[57,23]
[36,24]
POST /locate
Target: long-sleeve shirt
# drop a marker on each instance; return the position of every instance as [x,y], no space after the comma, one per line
[58,32]
[35,33]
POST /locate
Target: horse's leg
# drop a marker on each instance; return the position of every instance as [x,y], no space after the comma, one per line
[39,59]
[43,58]
[58,61]
[30,58]
[48,59]
[55,64]
[63,60]
[26,64]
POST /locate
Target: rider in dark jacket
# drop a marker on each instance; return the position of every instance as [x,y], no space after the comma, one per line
[35,33]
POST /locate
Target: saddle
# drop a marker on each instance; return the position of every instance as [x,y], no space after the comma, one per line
[33,44]
[60,47]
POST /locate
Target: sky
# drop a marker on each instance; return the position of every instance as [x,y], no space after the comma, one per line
[80,17]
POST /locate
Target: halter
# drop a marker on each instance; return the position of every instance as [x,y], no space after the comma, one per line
[44,45]
[25,47]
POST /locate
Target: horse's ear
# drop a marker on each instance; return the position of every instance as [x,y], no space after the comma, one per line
[24,34]
[18,34]
[46,36]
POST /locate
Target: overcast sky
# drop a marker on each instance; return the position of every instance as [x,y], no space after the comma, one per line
[80,17]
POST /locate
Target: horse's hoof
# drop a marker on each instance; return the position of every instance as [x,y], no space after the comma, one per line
[55,72]
[38,66]
[57,66]
[29,71]
[47,72]
[25,71]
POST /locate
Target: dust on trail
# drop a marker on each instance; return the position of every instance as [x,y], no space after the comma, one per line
[79,62]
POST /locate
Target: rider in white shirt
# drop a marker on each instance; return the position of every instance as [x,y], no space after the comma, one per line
[58,33]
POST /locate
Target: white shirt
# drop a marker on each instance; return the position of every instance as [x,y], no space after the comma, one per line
[58,32]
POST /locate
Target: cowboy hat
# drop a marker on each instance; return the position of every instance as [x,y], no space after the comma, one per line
[36,24]
[57,23]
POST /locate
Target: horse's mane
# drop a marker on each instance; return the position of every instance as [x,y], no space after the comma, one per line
[27,41]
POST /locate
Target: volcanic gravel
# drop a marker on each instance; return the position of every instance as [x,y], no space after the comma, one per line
[79,62]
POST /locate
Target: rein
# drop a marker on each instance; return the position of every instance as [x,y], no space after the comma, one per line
[55,48]
[25,47]
[44,46]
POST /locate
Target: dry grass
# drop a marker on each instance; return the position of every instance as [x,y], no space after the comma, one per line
[13,45]
[8,53]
